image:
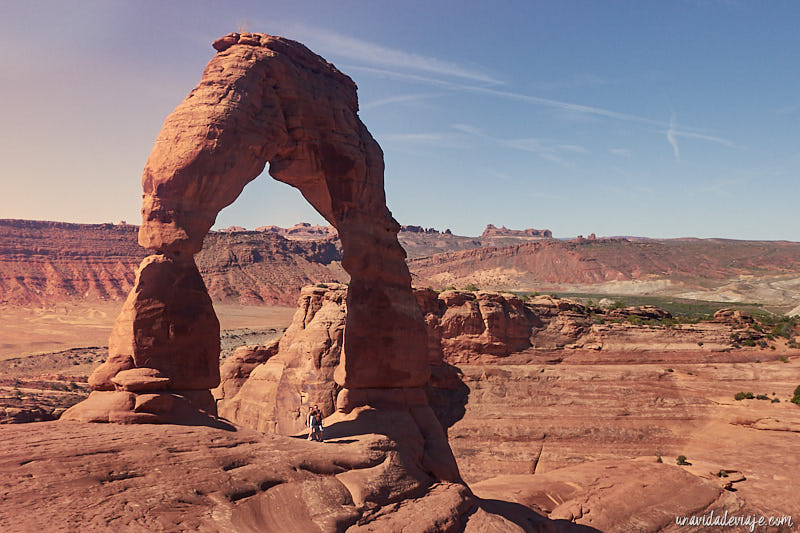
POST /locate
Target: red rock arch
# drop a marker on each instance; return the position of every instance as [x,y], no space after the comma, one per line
[265,99]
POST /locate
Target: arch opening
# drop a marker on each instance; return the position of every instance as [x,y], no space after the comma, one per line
[266,201]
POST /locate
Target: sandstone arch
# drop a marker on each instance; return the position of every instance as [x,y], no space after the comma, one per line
[261,99]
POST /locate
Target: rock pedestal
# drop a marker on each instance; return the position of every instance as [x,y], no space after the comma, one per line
[163,354]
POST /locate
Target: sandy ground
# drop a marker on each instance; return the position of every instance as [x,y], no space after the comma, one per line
[27,331]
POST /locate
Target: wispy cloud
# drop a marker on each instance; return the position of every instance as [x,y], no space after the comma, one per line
[574,148]
[622,152]
[471,130]
[558,104]
[671,138]
[545,149]
[400,98]
[578,80]
[337,45]
[709,138]
[413,137]
[576,109]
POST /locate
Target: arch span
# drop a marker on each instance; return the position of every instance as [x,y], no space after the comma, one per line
[265,99]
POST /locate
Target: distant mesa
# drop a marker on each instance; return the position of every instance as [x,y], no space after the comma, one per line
[301,231]
[420,229]
[233,229]
[493,231]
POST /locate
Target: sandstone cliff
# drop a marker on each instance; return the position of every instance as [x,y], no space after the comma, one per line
[46,262]
[660,266]
[42,263]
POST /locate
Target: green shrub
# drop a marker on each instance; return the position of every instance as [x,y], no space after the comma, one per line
[783,359]
[682,460]
[796,398]
[743,396]
[449,288]
[659,459]
[775,400]
[471,287]
[749,342]
[699,343]
[670,370]
[762,397]
[783,330]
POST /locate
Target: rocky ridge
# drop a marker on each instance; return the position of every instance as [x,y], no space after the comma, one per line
[43,263]
[675,266]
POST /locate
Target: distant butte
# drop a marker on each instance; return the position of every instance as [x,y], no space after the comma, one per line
[493,231]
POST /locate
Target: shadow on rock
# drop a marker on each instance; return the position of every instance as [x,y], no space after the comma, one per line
[447,394]
[529,520]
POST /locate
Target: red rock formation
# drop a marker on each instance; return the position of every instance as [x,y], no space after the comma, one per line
[270,388]
[532,265]
[167,324]
[493,231]
[267,99]
[299,113]
[301,231]
[262,268]
[163,351]
[44,263]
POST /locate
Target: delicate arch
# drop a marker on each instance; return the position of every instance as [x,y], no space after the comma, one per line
[267,99]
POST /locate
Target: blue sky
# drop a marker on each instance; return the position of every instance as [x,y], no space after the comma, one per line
[660,119]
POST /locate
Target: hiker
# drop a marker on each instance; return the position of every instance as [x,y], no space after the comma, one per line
[315,424]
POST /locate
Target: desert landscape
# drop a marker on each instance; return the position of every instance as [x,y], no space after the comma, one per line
[164,375]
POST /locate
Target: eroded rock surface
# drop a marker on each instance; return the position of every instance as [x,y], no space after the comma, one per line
[607,391]
[166,339]
[68,476]
[269,388]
